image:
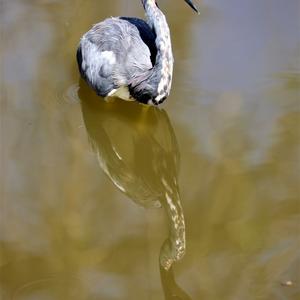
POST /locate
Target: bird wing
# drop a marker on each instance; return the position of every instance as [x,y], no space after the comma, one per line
[113,52]
[146,33]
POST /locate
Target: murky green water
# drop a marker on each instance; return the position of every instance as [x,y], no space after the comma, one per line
[224,147]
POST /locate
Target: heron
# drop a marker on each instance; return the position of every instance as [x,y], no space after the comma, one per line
[129,58]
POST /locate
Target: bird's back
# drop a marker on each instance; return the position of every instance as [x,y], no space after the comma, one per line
[114,52]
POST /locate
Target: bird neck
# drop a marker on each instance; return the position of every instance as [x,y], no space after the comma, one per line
[164,59]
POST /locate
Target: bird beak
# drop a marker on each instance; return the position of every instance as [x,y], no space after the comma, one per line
[192,5]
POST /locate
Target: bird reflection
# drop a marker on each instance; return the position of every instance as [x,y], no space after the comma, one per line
[136,147]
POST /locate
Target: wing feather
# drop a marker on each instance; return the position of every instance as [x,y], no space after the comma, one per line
[115,51]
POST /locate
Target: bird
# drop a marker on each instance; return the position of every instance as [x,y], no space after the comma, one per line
[129,58]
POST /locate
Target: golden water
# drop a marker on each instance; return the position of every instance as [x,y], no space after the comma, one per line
[91,191]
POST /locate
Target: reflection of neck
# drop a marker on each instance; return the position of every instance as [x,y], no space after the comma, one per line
[173,248]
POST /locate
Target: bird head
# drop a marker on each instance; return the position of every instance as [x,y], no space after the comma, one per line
[189,2]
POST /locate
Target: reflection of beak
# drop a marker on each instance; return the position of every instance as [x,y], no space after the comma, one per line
[172,290]
[192,5]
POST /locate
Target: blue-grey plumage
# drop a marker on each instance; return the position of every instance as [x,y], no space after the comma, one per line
[128,57]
